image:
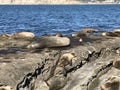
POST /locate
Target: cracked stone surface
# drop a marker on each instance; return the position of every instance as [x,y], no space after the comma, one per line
[38,69]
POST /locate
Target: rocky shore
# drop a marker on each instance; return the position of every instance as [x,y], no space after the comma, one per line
[86,60]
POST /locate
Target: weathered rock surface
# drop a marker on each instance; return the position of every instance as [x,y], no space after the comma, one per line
[38,69]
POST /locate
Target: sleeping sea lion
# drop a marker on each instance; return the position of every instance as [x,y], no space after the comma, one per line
[50,41]
[112,34]
[89,30]
[23,35]
[66,59]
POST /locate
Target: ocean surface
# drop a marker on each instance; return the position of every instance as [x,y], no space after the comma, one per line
[49,19]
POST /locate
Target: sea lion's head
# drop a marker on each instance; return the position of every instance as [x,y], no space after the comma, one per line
[58,34]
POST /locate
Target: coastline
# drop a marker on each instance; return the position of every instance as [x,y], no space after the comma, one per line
[83,60]
[93,61]
[59,4]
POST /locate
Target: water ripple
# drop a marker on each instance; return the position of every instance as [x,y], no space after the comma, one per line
[45,19]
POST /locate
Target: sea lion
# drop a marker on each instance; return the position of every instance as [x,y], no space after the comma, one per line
[49,41]
[66,59]
[116,63]
[116,31]
[23,35]
[112,34]
[113,83]
[79,34]
[89,30]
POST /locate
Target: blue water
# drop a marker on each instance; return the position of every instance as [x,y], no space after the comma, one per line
[45,19]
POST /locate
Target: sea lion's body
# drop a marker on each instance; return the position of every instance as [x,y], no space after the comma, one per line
[112,34]
[50,41]
[79,34]
[23,35]
[111,84]
[66,59]
[89,30]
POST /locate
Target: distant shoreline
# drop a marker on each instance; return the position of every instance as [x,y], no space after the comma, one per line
[69,4]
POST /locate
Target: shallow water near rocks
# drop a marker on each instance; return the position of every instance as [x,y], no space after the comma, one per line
[46,19]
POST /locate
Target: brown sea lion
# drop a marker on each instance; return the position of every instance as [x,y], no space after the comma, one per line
[66,59]
[113,83]
[79,34]
[116,63]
